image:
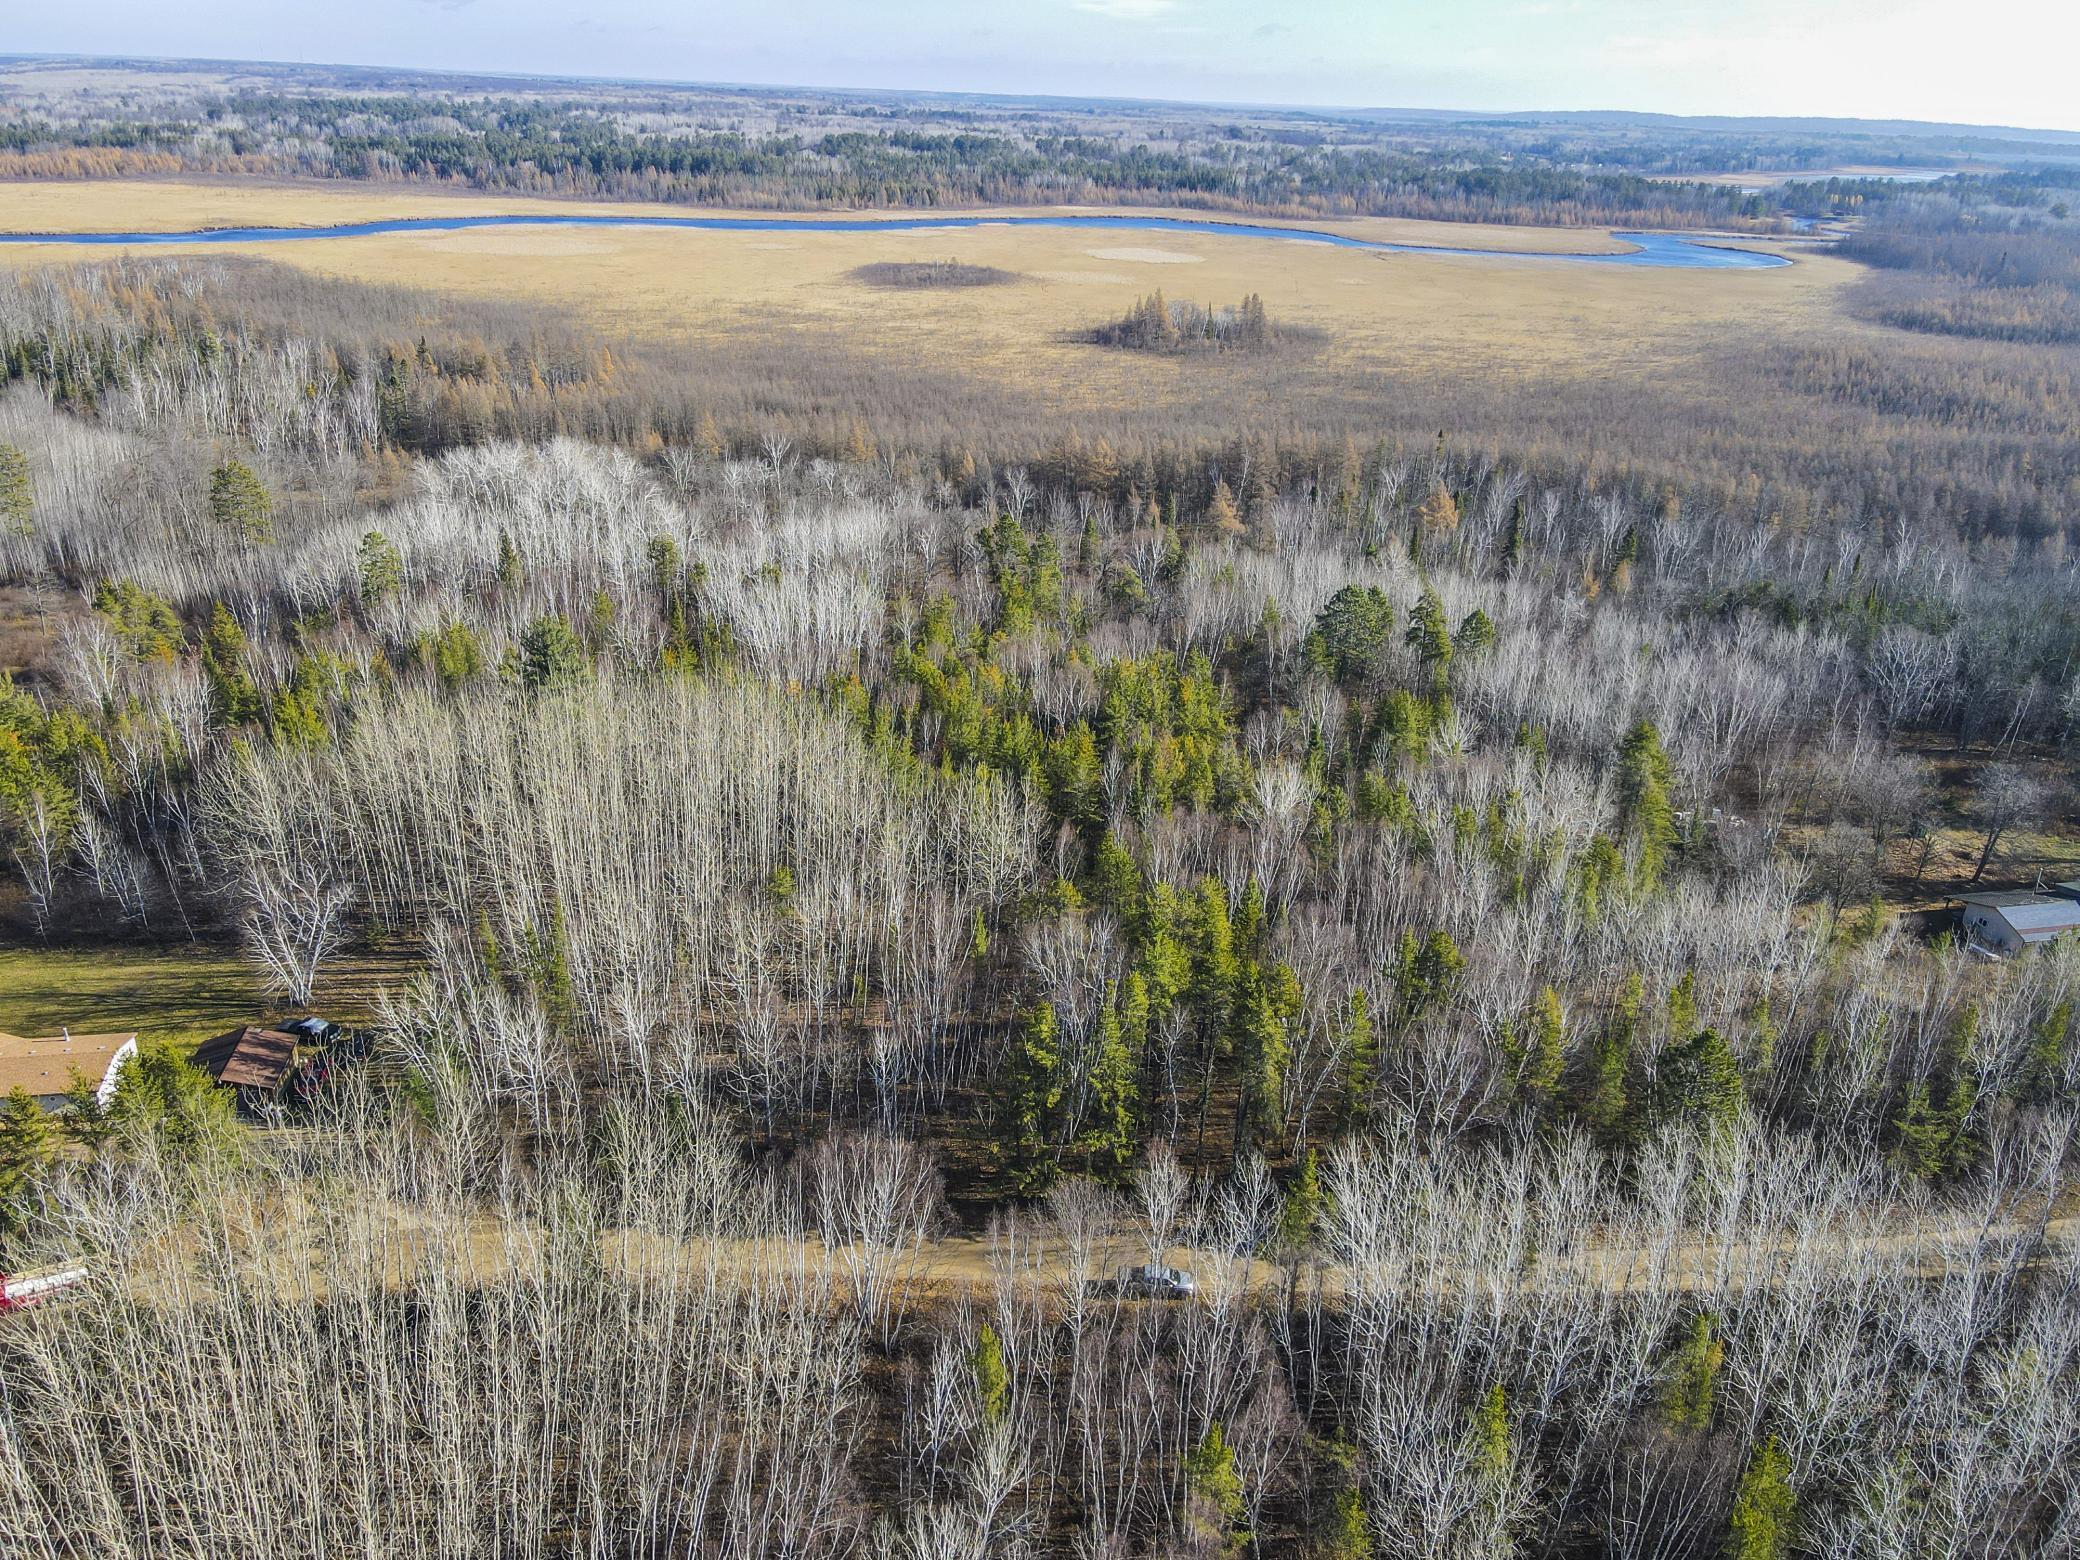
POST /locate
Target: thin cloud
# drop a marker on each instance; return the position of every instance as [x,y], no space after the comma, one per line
[1128,10]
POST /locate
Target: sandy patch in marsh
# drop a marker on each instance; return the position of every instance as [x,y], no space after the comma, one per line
[513,243]
[1146,256]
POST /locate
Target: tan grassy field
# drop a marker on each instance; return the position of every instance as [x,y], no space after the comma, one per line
[1493,317]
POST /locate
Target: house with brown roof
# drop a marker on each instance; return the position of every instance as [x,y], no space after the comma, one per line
[45,1065]
[254,1061]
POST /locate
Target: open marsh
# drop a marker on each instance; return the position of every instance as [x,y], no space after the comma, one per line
[1379,312]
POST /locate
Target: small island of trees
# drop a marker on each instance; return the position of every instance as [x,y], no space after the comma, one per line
[915,274]
[1156,325]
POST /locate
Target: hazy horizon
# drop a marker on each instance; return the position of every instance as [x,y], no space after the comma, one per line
[1758,59]
[1418,112]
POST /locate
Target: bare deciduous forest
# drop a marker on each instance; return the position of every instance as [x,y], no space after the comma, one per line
[1462,869]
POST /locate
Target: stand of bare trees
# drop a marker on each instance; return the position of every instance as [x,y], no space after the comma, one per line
[404,1329]
[1427,895]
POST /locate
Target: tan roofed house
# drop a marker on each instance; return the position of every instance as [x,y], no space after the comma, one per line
[44,1065]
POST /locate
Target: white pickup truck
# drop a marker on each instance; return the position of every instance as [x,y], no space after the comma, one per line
[18,1290]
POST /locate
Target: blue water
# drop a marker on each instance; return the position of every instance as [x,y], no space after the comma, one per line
[1650,249]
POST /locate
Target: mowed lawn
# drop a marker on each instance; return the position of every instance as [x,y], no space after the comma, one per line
[185,993]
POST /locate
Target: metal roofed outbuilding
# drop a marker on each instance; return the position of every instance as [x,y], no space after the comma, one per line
[2007,923]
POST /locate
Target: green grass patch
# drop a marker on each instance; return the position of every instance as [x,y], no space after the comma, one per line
[184,993]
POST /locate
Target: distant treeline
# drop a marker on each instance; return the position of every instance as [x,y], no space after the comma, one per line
[1993,258]
[577,149]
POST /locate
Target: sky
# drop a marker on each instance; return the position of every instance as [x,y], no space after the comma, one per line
[2014,62]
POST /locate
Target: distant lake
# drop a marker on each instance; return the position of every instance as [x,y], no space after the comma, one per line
[1649,249]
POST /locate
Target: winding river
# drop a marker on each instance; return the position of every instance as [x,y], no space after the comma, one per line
[1647,249]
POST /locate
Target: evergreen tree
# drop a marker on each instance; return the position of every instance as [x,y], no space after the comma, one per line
[1544,1049]
[239,503]
[1488,1434]
[508,562]
[1763,1049]
[1699,1083]
[1426,973]
[158,1092]
[1346,1535]
[550,964]
[1606,1103]
[17,496]
[1351,633]
[381,568]
[666,563]
[551,655]
[1343,1531]
[25,1149]
[224,663]
[1765,1508]
[85,1123]
[489,951]
[1361,1058]
[1930,1136]
[1076,776]
[992,1380]
[296,715]
[1213,1489]
[1267,1006]
[1221,512]
[1170,563]
[1689,1390]
[1474,635]
[1032,1096]
[1429,637]
[1213,965]
[455,653]
[1648,817]
[1256,325]
[1110,1125]
[2050,1045]
[1682,1007]
[1300,1220]
[1402,727]
[146,624]
[1250,921]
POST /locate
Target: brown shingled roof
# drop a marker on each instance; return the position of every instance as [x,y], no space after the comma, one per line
[44,1064]
[247,1057]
